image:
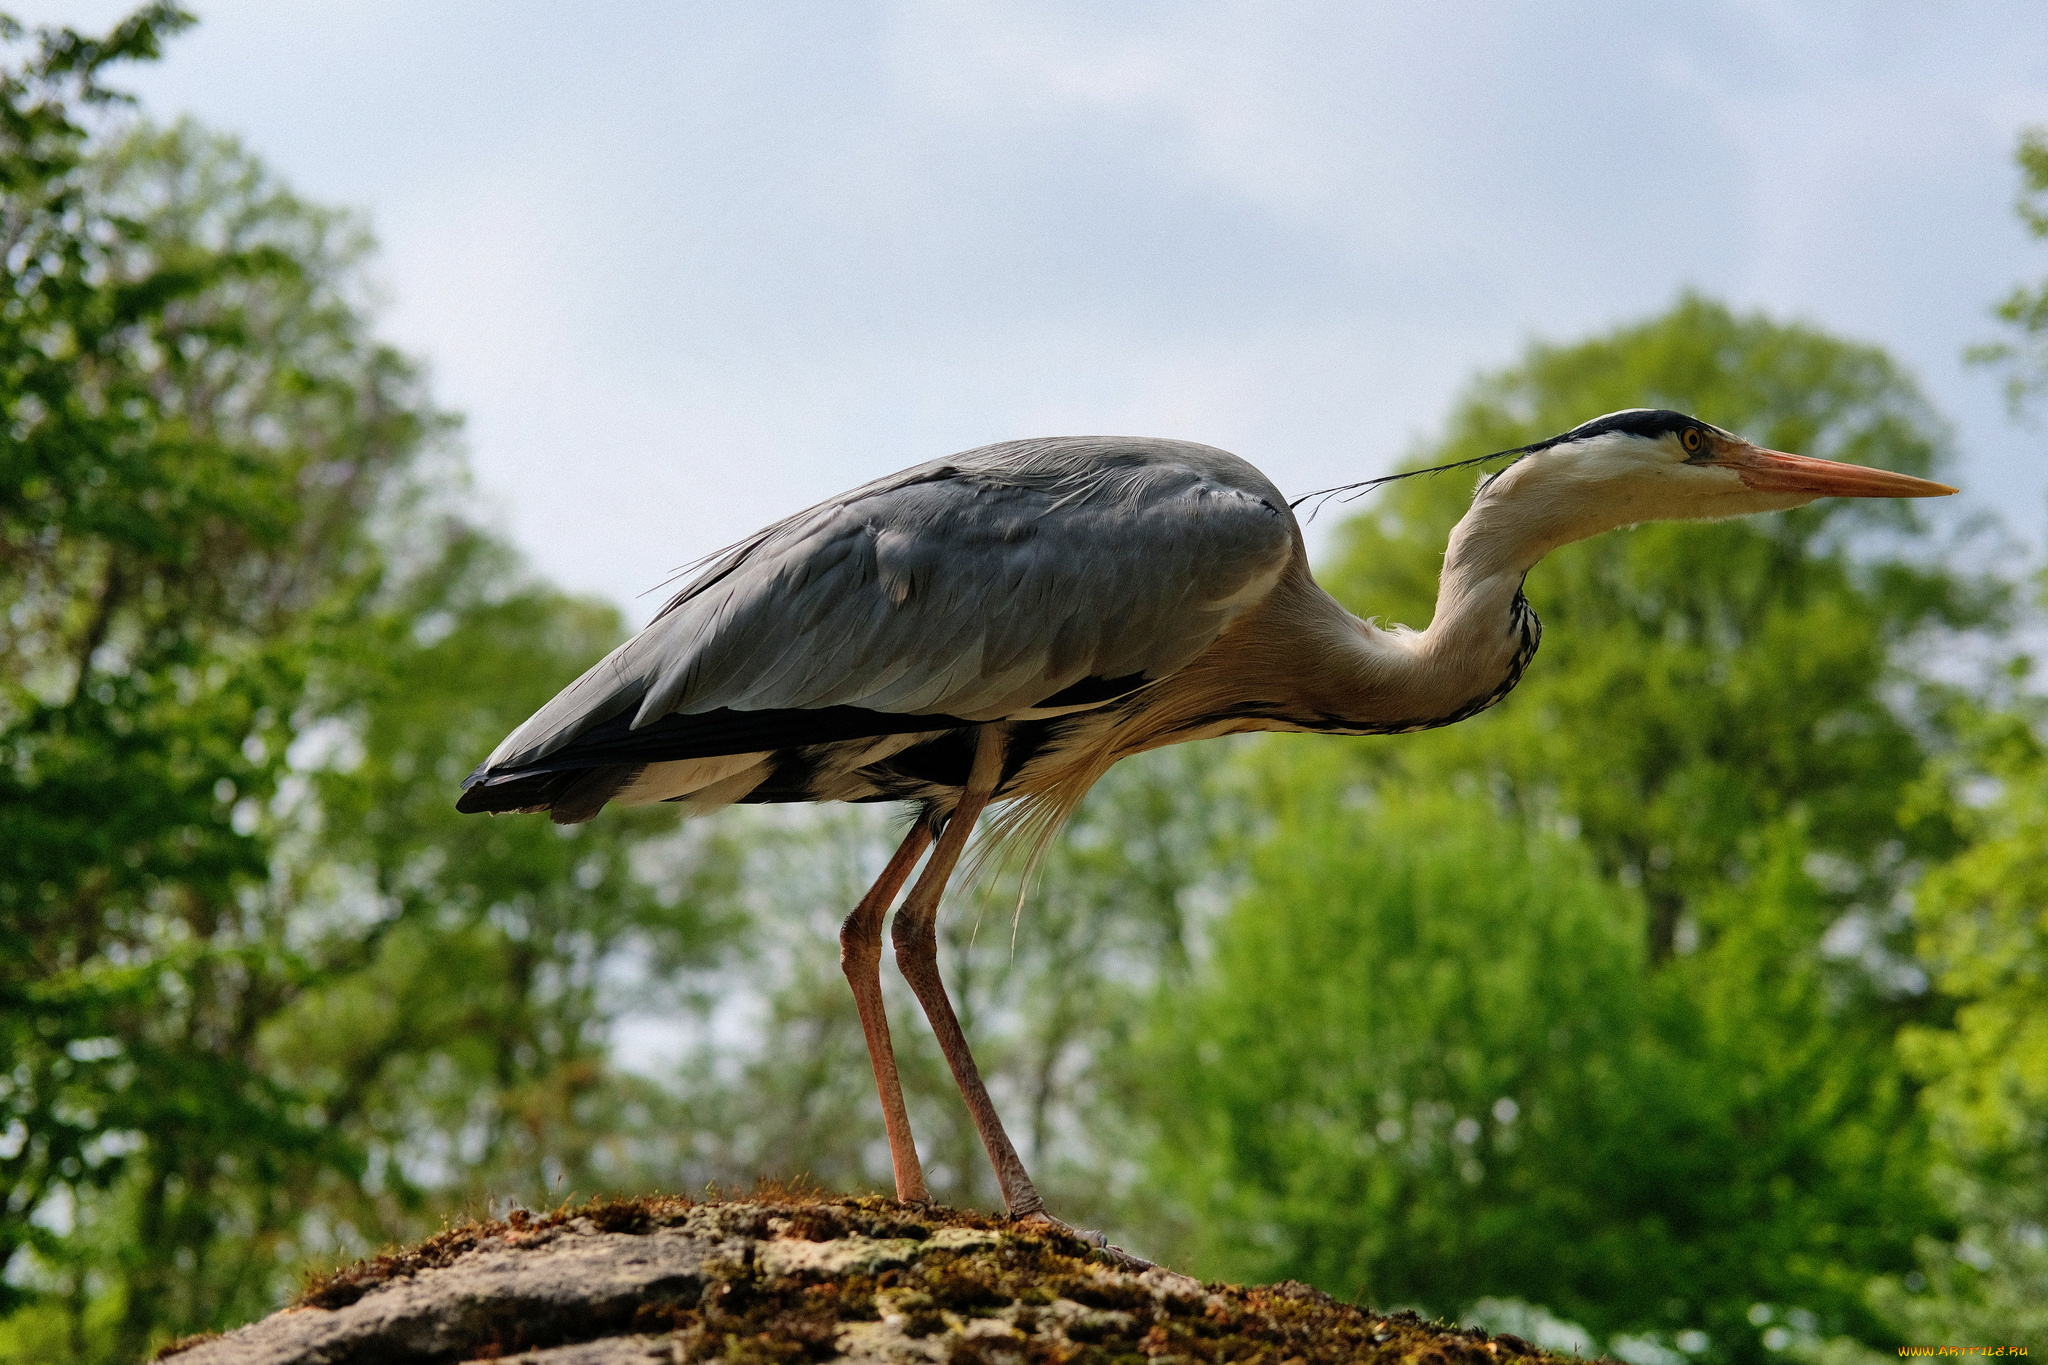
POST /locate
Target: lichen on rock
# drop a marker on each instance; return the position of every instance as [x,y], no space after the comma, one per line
[794,1278]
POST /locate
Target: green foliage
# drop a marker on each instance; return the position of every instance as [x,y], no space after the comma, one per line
[1728,651]
[1385,1076]
[1609,999]
[168,537]
[466,981]
[1721,725]
[2025,310]
[1050,987]
[263,996]
[1982,923]
[1982,933]
[1982,927]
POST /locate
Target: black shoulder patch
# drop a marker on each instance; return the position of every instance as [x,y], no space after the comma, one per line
[1093,691]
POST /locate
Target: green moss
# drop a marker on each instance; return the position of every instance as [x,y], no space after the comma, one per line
[1013,1296]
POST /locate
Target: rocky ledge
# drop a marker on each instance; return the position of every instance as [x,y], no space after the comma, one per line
[804,1279]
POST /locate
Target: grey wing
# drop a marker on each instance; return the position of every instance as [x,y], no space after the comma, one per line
[1021,579]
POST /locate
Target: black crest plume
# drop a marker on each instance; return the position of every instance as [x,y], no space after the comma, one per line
[1351,492]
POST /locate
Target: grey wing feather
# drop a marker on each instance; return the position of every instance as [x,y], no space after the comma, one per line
[975,587]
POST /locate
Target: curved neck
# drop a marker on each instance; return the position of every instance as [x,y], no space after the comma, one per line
[1479,638]
[1300,661]
[1490,552]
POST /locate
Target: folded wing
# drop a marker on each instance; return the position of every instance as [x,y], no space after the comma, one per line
[1016,580]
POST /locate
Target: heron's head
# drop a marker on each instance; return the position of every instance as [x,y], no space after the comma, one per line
[1652,464]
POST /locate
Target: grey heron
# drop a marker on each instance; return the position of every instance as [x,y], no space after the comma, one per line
[1004,625]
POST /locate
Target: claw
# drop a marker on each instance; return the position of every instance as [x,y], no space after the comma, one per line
[1124,1260]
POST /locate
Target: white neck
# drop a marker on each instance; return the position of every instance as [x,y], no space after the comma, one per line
[1476,641]
[1366,678]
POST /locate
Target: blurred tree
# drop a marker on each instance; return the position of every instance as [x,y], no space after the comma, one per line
[262,996]
[2024,358]
[1698,680]
[458,1026]
[1981,921]
[1384,1078]
[152,564]
[1617,968]
[1724,722]
[1050,985]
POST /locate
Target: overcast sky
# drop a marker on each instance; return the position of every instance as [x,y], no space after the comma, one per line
[687,267]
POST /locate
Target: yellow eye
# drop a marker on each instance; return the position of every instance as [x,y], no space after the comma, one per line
[1691,440]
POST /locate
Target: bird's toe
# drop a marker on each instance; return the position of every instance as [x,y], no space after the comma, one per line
[1124,1260]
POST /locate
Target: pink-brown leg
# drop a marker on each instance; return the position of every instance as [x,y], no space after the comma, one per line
[917,956]
[860,957]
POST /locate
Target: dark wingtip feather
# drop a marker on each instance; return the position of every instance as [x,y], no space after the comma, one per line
[502,796]
[584,797]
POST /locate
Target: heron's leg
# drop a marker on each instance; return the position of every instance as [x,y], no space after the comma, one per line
[917,955]
[860,957]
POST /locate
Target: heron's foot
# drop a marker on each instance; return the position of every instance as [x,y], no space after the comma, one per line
[1042,1219]
[1124,1260]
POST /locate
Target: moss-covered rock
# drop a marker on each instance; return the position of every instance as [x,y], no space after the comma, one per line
[794,1278]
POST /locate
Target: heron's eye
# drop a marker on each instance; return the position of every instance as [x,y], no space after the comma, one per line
[1692,440]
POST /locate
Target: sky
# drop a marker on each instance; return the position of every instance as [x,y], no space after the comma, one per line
[688,267]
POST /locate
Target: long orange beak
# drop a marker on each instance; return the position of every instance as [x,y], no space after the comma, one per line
[1772,471]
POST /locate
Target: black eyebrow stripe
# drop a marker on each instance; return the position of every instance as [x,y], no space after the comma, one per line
[1645,422]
